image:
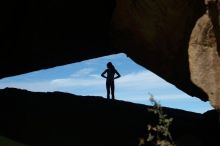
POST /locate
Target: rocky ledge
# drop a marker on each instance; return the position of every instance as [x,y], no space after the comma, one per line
[63,119]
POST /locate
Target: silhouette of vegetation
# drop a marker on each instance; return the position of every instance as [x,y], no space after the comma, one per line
[159,134]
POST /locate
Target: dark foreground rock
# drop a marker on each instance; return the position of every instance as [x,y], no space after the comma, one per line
[62,119]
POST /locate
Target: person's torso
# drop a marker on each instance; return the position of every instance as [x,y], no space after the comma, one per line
[110,74]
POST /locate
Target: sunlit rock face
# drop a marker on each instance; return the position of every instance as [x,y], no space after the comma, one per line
[204,58]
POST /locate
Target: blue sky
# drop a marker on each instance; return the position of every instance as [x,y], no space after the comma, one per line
[83,78]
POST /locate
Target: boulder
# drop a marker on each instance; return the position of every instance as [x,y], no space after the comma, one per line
[204,57]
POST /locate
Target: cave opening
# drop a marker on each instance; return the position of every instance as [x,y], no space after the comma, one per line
[83,78]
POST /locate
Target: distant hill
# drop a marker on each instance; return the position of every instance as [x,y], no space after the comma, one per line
[63,119]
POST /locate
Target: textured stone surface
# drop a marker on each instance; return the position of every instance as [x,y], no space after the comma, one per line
[154,33]
[204,59]
[213,9]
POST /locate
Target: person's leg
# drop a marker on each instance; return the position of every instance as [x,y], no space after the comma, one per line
[113,90]
[108,90]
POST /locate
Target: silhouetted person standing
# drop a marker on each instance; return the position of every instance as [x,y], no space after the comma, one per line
[110,85]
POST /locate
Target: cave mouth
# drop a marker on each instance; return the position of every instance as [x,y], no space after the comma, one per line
[136,84]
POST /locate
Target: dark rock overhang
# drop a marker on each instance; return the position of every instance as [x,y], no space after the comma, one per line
[155,34]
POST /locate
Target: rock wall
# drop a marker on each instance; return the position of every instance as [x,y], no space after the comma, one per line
[155,34]
[204,55]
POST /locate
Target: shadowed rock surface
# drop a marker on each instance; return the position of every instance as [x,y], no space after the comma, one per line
[62,119]
[154,33]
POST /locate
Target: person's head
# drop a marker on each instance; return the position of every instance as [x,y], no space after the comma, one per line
[110,65]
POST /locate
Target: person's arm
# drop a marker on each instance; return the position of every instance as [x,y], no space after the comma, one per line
[118,75]
[103,74]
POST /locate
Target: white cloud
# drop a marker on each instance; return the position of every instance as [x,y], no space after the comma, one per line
[133,87]
[141,80]
[133,82]
[136,80]
[136,84]
[171,97]
[82,78]
[82,72]
[165,97]
[95,76]
[71,82]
